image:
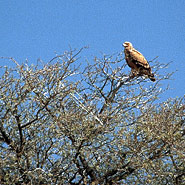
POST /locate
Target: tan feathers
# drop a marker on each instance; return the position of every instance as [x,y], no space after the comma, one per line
[137,62]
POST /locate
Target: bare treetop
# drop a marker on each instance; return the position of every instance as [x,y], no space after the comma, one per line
[67,123]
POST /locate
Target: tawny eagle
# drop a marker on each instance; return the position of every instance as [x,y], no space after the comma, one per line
[137,62]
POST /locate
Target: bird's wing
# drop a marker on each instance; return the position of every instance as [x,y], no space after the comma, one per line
[139,59]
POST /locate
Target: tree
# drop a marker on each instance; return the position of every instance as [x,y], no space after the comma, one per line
[62,123]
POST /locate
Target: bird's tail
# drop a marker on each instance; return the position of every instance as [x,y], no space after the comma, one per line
[151,77]
[148,73]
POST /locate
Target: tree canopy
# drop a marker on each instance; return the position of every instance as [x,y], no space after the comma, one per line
[74,121]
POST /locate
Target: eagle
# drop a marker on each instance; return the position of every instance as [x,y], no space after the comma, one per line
[137,62]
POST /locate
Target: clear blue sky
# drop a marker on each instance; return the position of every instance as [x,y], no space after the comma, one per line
[35,29]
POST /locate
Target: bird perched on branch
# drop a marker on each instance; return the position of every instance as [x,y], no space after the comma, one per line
[137,62]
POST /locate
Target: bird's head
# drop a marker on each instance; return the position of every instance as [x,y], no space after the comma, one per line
[128,45]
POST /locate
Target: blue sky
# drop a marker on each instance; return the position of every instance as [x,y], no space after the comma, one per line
[35,29]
